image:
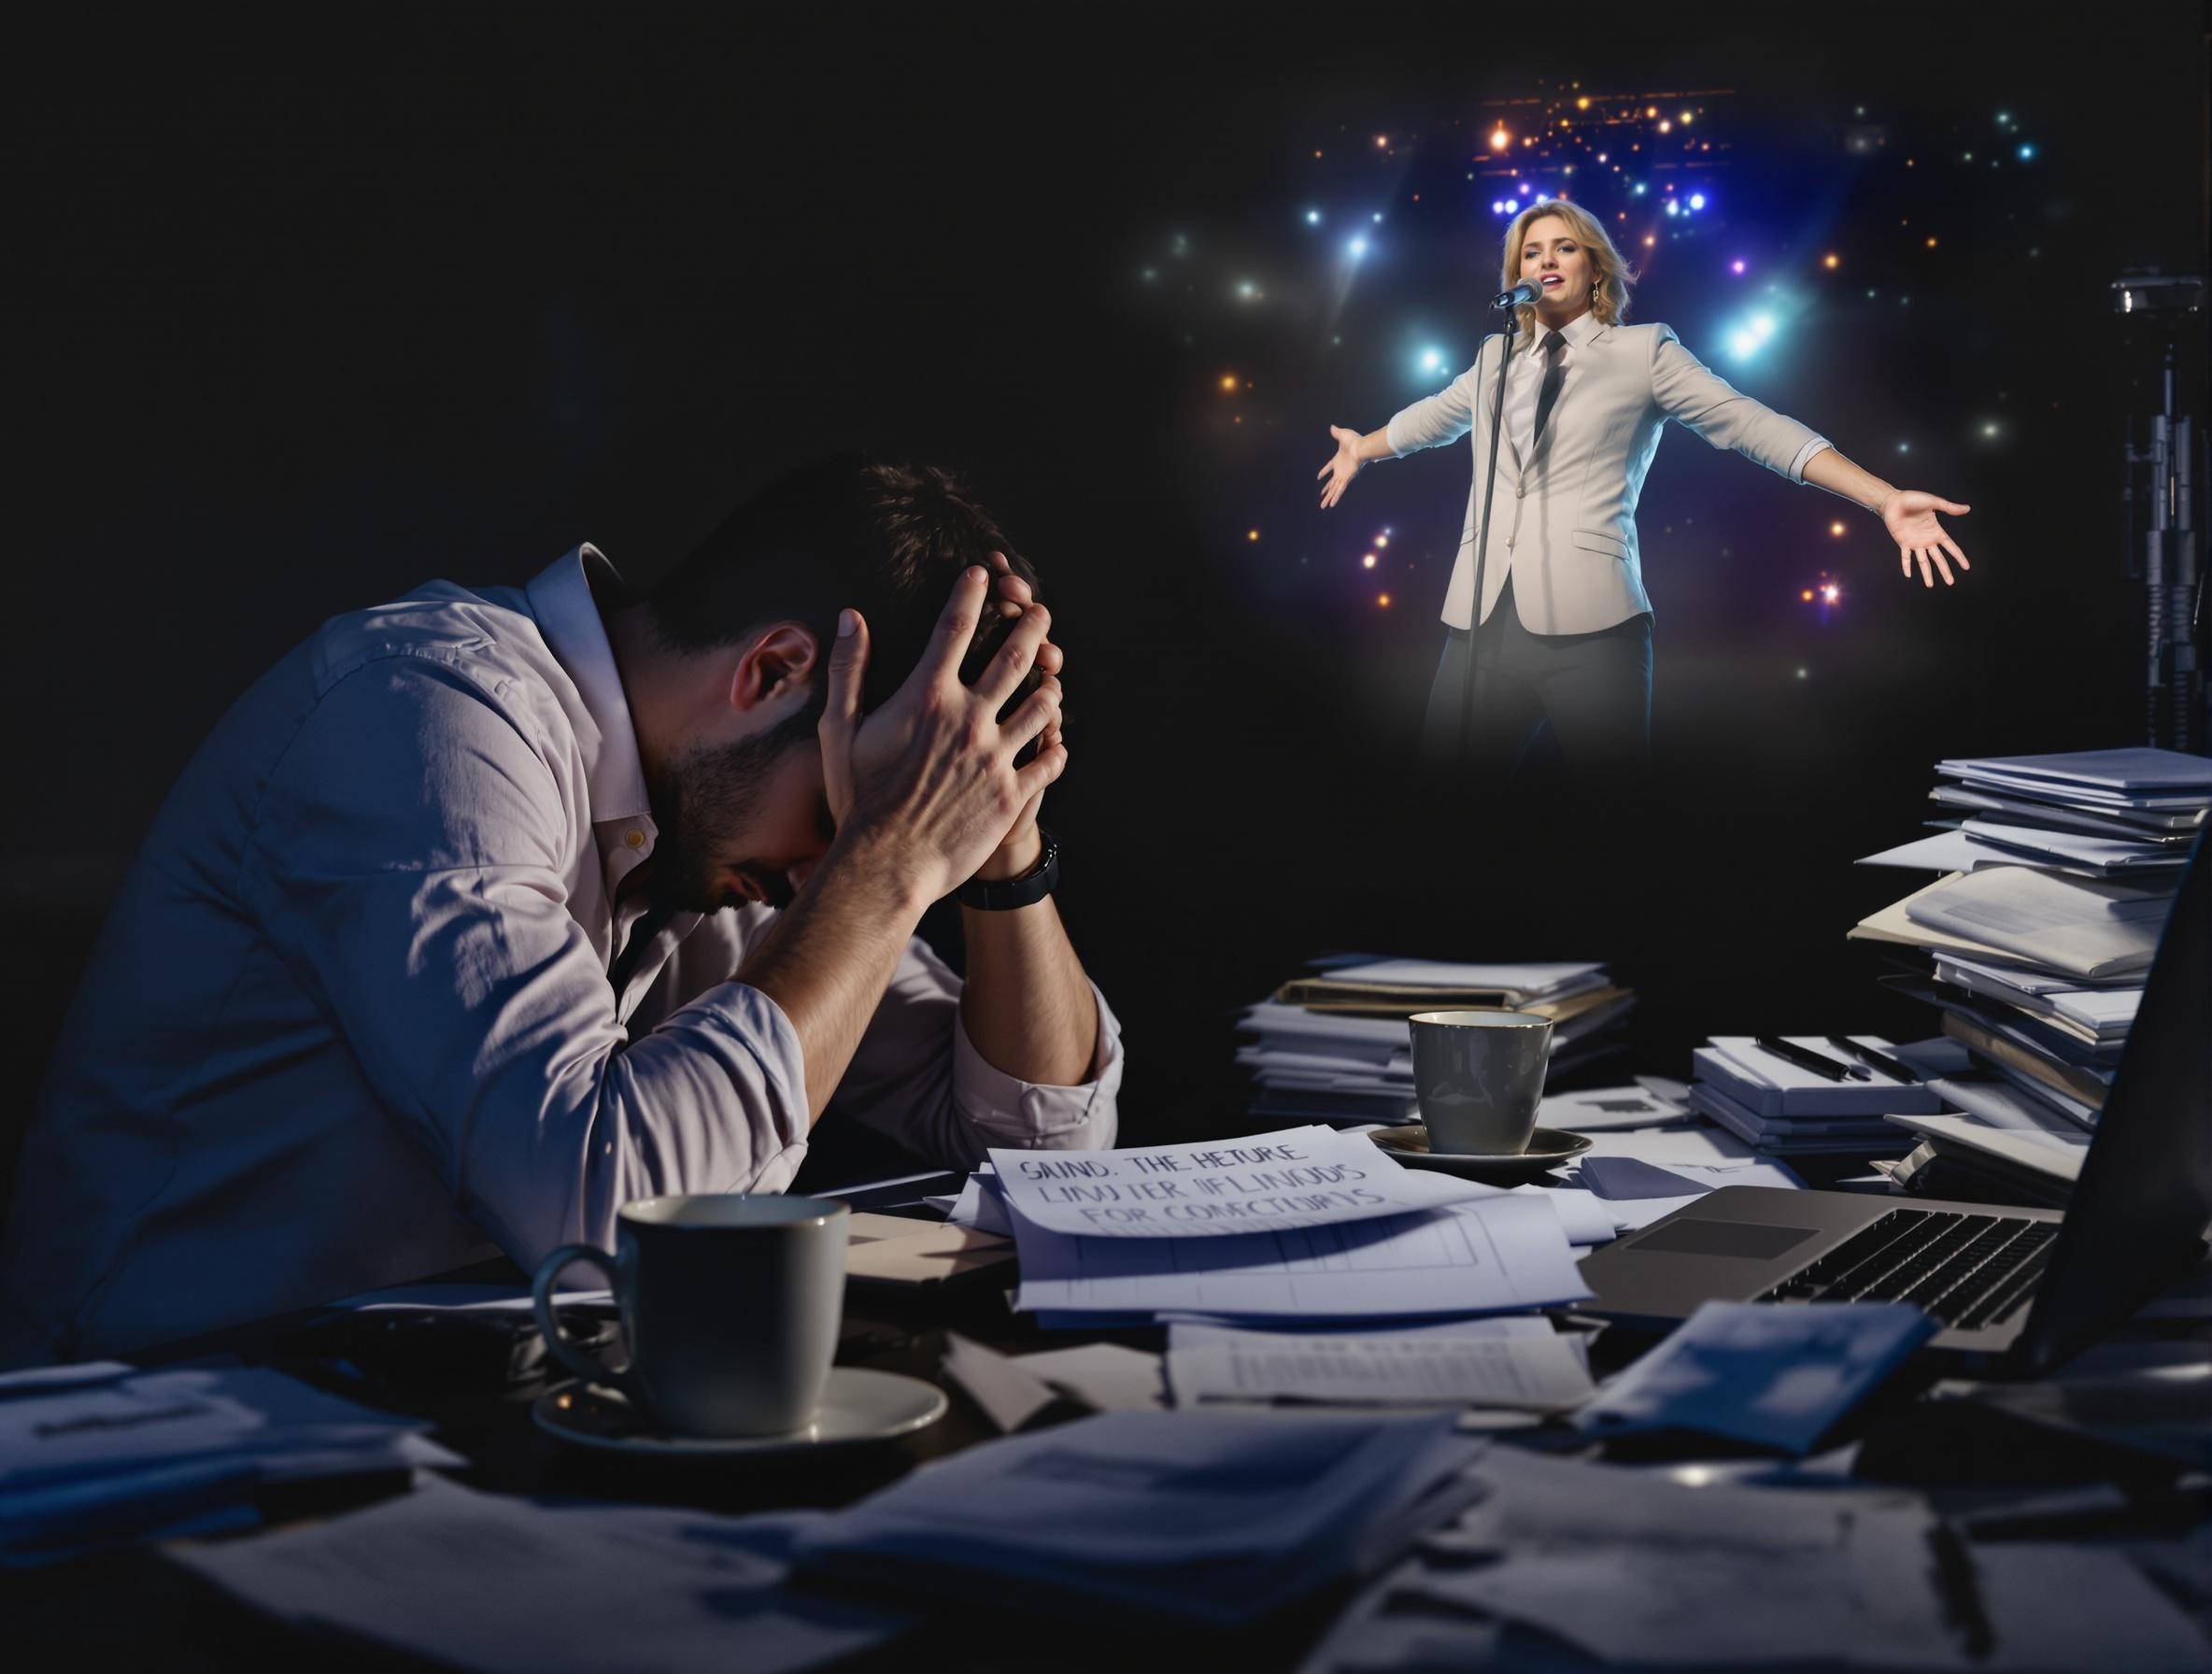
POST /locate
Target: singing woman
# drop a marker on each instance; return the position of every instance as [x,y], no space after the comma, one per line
[1566,628]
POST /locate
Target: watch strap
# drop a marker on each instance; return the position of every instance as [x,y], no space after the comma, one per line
[1003,895]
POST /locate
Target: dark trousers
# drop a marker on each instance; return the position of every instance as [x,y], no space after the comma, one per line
[1593,691]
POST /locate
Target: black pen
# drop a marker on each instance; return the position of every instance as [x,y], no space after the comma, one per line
[1961,1588]
[1818,1063]
[1881,1060]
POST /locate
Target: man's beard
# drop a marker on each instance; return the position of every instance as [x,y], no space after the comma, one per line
[699,799]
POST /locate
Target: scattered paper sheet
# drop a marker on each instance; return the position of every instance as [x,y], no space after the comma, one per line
[1599,1110]
[1776,1376]
[1295,1178]
[1106,1377]
[1632,1567]
[1581,1215]
[1504,1252]
[1007,1394]
[912,1252]
[516,1586]
[1220,1516]
[1431,1367]
[89,1459]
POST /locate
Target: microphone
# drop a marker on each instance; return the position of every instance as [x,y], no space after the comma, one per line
[1520,296]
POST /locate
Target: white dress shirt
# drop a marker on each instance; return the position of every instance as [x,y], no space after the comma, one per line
[350,1022]
[1525,382]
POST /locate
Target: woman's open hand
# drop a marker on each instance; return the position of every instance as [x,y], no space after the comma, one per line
[1342,469]
[1909,514]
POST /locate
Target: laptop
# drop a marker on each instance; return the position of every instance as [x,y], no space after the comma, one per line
[2017,1290]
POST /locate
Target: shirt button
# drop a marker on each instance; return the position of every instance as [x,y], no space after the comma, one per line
[635,839]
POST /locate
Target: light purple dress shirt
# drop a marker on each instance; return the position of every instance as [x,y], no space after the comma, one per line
[350,1023]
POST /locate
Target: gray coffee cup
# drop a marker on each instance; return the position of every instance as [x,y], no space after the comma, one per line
[1478,1076]
[731,1306]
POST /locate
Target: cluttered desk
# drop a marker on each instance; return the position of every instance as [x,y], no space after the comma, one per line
[1844,1353]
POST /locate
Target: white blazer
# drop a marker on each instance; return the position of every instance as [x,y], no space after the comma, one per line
[1566,521]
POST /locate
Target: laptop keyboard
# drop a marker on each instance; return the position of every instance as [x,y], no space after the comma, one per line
[1967,1271]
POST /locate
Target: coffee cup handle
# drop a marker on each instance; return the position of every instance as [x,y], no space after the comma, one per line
[558,1344]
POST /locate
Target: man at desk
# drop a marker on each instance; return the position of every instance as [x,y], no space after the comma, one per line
[488,910]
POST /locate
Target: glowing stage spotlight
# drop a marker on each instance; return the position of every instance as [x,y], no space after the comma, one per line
[1697,200]
[1356,249]
[1735,267]
[1432,360]
[2026,152]
[1752,336]
[1313,218]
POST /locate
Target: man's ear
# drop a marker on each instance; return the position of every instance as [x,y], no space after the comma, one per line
[776,661]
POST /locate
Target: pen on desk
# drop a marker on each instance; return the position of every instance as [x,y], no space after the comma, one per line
[1881,1060]
[1818,1063]
[1962,1592]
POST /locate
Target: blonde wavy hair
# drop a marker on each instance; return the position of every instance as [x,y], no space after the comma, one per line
[1610,304]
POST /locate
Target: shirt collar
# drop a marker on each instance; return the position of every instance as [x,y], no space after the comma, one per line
[560,597]
[1578,331]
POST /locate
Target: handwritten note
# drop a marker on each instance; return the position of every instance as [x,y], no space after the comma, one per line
[1266,1183]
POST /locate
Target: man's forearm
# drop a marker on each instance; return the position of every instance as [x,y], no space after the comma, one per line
[1828,469]
[831,953]
[1026,1004]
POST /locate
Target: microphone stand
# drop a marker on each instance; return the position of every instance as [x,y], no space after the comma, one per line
[1474,621]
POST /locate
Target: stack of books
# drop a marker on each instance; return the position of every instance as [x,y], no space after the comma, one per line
[1810,1094]
[2058,874]
[1332,1046]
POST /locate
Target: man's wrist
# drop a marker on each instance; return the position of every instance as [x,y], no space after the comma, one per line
[1013,858]
[875,853]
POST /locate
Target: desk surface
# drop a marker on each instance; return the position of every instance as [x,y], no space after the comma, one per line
[133,1607]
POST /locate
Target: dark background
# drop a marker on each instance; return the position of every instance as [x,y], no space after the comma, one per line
[308,312]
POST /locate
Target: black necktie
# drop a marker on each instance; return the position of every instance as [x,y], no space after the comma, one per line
[1555,375]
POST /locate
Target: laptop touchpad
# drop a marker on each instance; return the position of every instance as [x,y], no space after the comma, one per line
[1725,1238]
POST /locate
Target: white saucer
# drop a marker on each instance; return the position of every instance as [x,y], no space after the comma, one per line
[857,1407]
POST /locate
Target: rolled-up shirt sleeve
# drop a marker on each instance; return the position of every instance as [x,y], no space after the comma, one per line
[918,1078]
[407,862]
[1435,419]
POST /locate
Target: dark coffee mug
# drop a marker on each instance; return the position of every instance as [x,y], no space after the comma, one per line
[731,1306]
[1478,1076]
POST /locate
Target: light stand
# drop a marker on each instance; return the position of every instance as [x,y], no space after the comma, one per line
[2168,561]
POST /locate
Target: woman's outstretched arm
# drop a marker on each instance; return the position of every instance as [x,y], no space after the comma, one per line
[1908,513]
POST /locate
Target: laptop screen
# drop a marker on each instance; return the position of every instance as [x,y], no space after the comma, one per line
[2143,1199]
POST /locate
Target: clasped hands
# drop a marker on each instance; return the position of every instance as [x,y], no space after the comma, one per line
[934,766]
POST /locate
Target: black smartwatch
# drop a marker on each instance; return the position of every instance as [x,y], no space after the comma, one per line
[1005,894]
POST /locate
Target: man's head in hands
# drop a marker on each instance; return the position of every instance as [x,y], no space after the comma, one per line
[725,661]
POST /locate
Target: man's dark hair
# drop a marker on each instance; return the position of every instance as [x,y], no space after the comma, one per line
[885,540]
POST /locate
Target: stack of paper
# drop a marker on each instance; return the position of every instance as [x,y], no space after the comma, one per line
[1217,1517]
[1303,1224]
[1333,1046]
[2058,880]
[1783,1107]
[98,1454]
